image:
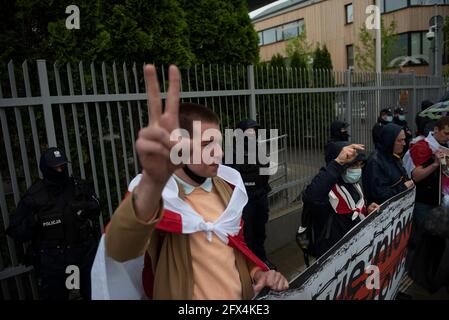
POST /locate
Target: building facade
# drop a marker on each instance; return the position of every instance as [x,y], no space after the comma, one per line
[337,24]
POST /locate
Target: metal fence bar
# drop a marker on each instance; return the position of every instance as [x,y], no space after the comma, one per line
[45,99]
[76,124]
[26,79]
[65,134]
[122,130]
[88,129]
[10,242]
[136,85]
[101,141]
[24,155]
[111,132]
[19,125]
[131,124]
[3,282]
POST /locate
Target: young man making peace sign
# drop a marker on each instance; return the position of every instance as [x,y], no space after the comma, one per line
[185,218]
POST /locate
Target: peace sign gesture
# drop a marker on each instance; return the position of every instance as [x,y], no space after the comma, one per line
[153,144]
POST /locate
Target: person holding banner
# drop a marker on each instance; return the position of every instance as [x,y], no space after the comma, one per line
[426,156]
[182,220]
[428,248]
[384,175]
[335,197]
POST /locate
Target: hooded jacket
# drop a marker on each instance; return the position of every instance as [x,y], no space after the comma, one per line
[328,226]
[336,134]
[384,175]
[377,131]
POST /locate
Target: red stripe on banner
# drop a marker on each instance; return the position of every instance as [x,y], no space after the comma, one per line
[388,255]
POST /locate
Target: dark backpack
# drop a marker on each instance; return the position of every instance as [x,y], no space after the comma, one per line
[306,238]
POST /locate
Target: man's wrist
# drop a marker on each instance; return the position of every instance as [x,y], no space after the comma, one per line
[146,197]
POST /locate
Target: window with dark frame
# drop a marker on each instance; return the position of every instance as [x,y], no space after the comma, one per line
[349,14]
[413,44]
[393,5]
[281,33]
[350,56]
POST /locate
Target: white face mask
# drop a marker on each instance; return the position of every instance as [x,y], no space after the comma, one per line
[389,119]
[402,117]
[352,175]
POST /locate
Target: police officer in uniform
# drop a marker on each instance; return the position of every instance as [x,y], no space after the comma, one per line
[255,213]
[59,215]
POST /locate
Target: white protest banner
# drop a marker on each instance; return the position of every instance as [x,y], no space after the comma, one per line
[367,263]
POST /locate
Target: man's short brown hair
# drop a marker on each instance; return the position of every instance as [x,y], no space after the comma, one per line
[189,112]
[442,123]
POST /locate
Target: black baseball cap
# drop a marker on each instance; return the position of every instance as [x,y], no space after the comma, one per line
[400,110]
[54,157]
[386,110]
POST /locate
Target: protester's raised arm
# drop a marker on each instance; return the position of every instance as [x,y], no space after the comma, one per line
[153,144]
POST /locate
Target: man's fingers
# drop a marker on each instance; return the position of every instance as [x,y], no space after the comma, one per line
[172,105]
[154,101]
[280,283]
[147,147]
[355,146]
[260,284]
[156,134]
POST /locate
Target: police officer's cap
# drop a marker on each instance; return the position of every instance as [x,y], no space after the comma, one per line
[55,157]
[399,110]
[386,110]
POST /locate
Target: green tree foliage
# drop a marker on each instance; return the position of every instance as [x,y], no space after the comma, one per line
[297,61]
[322,58]
[163,31]
[277,61]
[365,53]
[221,31]
[300,51]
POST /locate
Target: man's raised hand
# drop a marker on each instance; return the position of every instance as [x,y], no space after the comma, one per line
[153,144]
[349,153]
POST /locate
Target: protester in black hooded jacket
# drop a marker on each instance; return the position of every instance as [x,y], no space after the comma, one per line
[255,213]
[335,197]
[59,215]
[384,174]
